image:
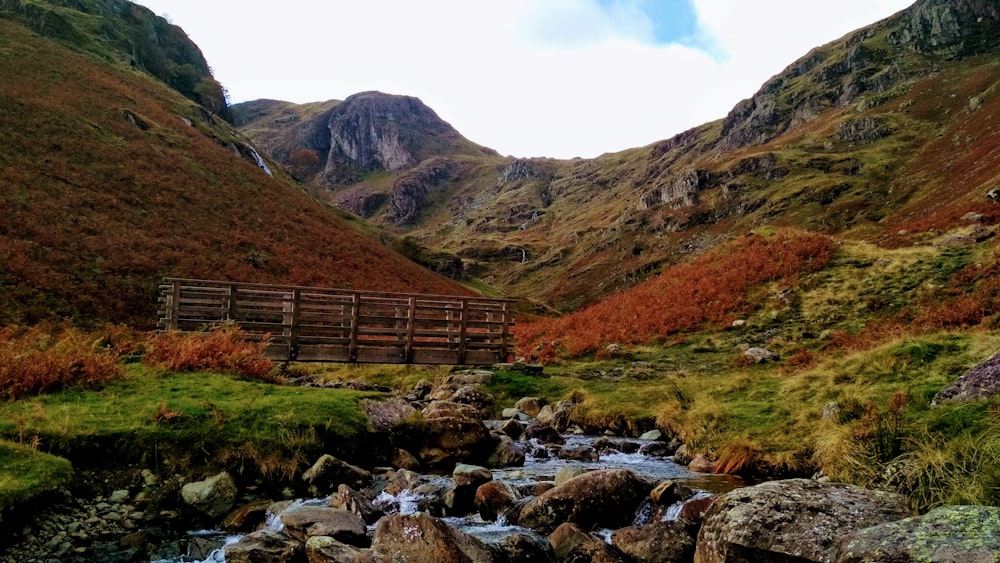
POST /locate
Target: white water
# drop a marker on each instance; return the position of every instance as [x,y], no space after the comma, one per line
[534,470]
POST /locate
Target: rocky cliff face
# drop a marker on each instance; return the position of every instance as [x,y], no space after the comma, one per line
[856,67]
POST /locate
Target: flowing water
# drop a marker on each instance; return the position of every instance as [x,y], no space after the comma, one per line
[654,469]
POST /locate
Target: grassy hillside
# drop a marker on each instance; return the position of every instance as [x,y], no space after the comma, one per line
[109,181]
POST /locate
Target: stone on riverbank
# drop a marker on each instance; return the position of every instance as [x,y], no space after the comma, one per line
[493,498]
[672,541]
[266,546]
[598,498]
[420,537]
[453,433]
[950,533]
[304,522]
[794,518]
[329,472]
[529,405]
[213,497]
[570,543]
[324,549]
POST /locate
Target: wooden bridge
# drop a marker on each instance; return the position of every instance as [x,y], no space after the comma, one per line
[338,325]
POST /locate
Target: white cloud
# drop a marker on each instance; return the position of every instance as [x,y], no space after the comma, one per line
[557,78]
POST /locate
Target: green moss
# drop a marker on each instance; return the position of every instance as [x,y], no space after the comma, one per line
[26,472]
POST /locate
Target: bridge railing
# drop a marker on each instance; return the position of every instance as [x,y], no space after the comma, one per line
[338,325]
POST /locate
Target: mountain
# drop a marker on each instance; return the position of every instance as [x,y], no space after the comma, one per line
[887,134]
[111,180]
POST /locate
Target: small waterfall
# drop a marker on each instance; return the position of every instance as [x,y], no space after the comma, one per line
[406,502]
[259,160]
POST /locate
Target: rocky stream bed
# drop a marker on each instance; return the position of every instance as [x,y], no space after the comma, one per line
[530,487]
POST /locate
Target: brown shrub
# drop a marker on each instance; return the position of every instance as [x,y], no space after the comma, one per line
[707,291]
[45,359]
[225,349]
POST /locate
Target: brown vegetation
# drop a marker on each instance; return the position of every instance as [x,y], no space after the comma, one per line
[224,349]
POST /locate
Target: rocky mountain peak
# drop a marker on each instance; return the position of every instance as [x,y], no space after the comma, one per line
[376,131]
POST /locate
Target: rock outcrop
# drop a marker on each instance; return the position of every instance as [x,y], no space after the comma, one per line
[950,533]
[980,382]
[790,520]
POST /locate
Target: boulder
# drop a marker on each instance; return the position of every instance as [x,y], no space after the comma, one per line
[514,414]
[304,522]
[466,475]
[352,501]
[324,549]
[420,537]
[383,416]
[403,459]
[570,543]
[557,416]
[651,435]
[701,464]
[529,405]
[524,548]
[599,498]
[790,520]
[583,453]
[247,517]
[543,433]
[656,449]
[949,533]
[512,428]
[759,355]
[657,542]
[668,492]
[507,453]
[694,510]
[329,472]
[469,395]
[681,455]
[213,497]
[980,382]
[453,433]
[568,472]
[493,498]
[266,546]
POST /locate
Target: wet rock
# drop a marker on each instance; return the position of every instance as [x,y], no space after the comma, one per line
[794,520]
[557,416]
[266,546]
[328,472]
[668,492]
[247,517]
[512,428]
[466,475]
[543,433]
[453,433]
[657,542]
[529,405]
[682,456]
[656,449]
[213,497]
[352,501]
[515,414]
[324,549]
[570,543]
[583,453]
[599,498]
[493,498]
[694,510]
[701,464]
[526,548]
[403,459]
[304,522]
[568,472]
[420,537]
[950,533]
[507,453]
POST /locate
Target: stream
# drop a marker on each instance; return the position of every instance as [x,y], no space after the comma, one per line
[654,469]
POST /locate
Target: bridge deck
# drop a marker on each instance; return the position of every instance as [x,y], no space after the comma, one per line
[339,325]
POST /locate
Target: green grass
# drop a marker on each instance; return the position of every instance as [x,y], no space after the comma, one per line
[194,419]
[26,472]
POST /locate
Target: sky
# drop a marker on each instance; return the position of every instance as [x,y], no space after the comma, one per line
[528,78]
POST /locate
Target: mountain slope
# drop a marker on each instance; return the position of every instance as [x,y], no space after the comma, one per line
[110,180]
[883,135]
